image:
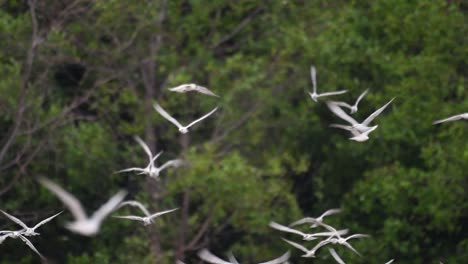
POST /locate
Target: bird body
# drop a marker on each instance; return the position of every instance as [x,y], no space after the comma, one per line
[192,87]
[28,231]
[182,129]
[353,108]
[147,220]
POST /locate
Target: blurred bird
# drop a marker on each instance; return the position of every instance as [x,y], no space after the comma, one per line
[308,253]
[135,204]
[315,220]
[305,236]
[353,108]
[209,257]
[357,136]
[147,219]
[336,256]
[314,95]
[192,87]
[182,129]
[82,224]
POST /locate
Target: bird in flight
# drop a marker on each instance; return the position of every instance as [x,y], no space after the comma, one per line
[361,127]
[305,236]
[336,256]
[209,257]
[135,204]
[192,87]
[148,219]
[452,118]
[151,170]
[18,234]
[357,135]
[314,95]
[83,225]
[182,129]
[353,108]
[28,231]
[315,220]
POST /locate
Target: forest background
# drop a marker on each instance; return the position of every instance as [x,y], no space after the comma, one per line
[78,80]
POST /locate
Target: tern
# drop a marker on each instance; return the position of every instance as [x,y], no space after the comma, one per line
[361,127]
[281,260]
[151,170]
[209,257]
[343,241]
[314,95]
[357,135]
[182,129]
[192,87]
[353,108]
[452,118]
[27,231]
[308,253]
[18,234]
[82,224]
[315,220]
[305,236]
[336,256]
[146,219]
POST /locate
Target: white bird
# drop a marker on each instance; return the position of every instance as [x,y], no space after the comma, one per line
[147,219]
[336,256]
[82,224]
[391,261]
[357,135]
[281,260]
[314,95]
[452,118]
[209,257]
[361,127]
[343,241]
[182,129]
[135,204]
[315,220]
[307,253]
[151,170]
[353,108]
[305,236]
[192,87]
[27,231]
[31,246]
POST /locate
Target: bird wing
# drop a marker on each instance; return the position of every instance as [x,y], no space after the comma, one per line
[336,256]
[68,199]
[285,228]
[303,221]
[280,260]
[313,76]
[131,169]
[108,207]
[172,163]
[340,113]
[14,219]
[136,204]
[46,220]
[151,165]
[161,213]
[343,104]
[339,232]
[144,146]
[296,245]
[205,90]
[163,112]
[361,96]
[332,93]
[181,88]
[130,217]
[369,119]
[31,246]
[330,212]
[344,127]
[319,245]
[328,227]
[207,256]
[390,261]
[203,117]
[452,118]
[356,236]
[346,244]
[232,259]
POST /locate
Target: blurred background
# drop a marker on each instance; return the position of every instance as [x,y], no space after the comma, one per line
[78,79]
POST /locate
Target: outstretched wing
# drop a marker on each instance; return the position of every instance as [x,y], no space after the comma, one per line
[346,244]
[108,207]
[343,104]
[136,204]
[163,112]
[31,246]
[172,163]
[448,119]
[69,200]
[332,93]
[207,256]
[131,169]
[205,90]
[296,245]
[336,256]
[369,119]
[181,88]
[161,213]
[145,147]
[232,259]
[303,221]
[285,229]
[331,212]
[280,260]
[313,76]
[340,113]
[203,117]
[361,96]
[14,219]
[46,220]
[130,217]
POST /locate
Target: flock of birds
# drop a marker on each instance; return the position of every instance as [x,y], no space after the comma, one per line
[90,225]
